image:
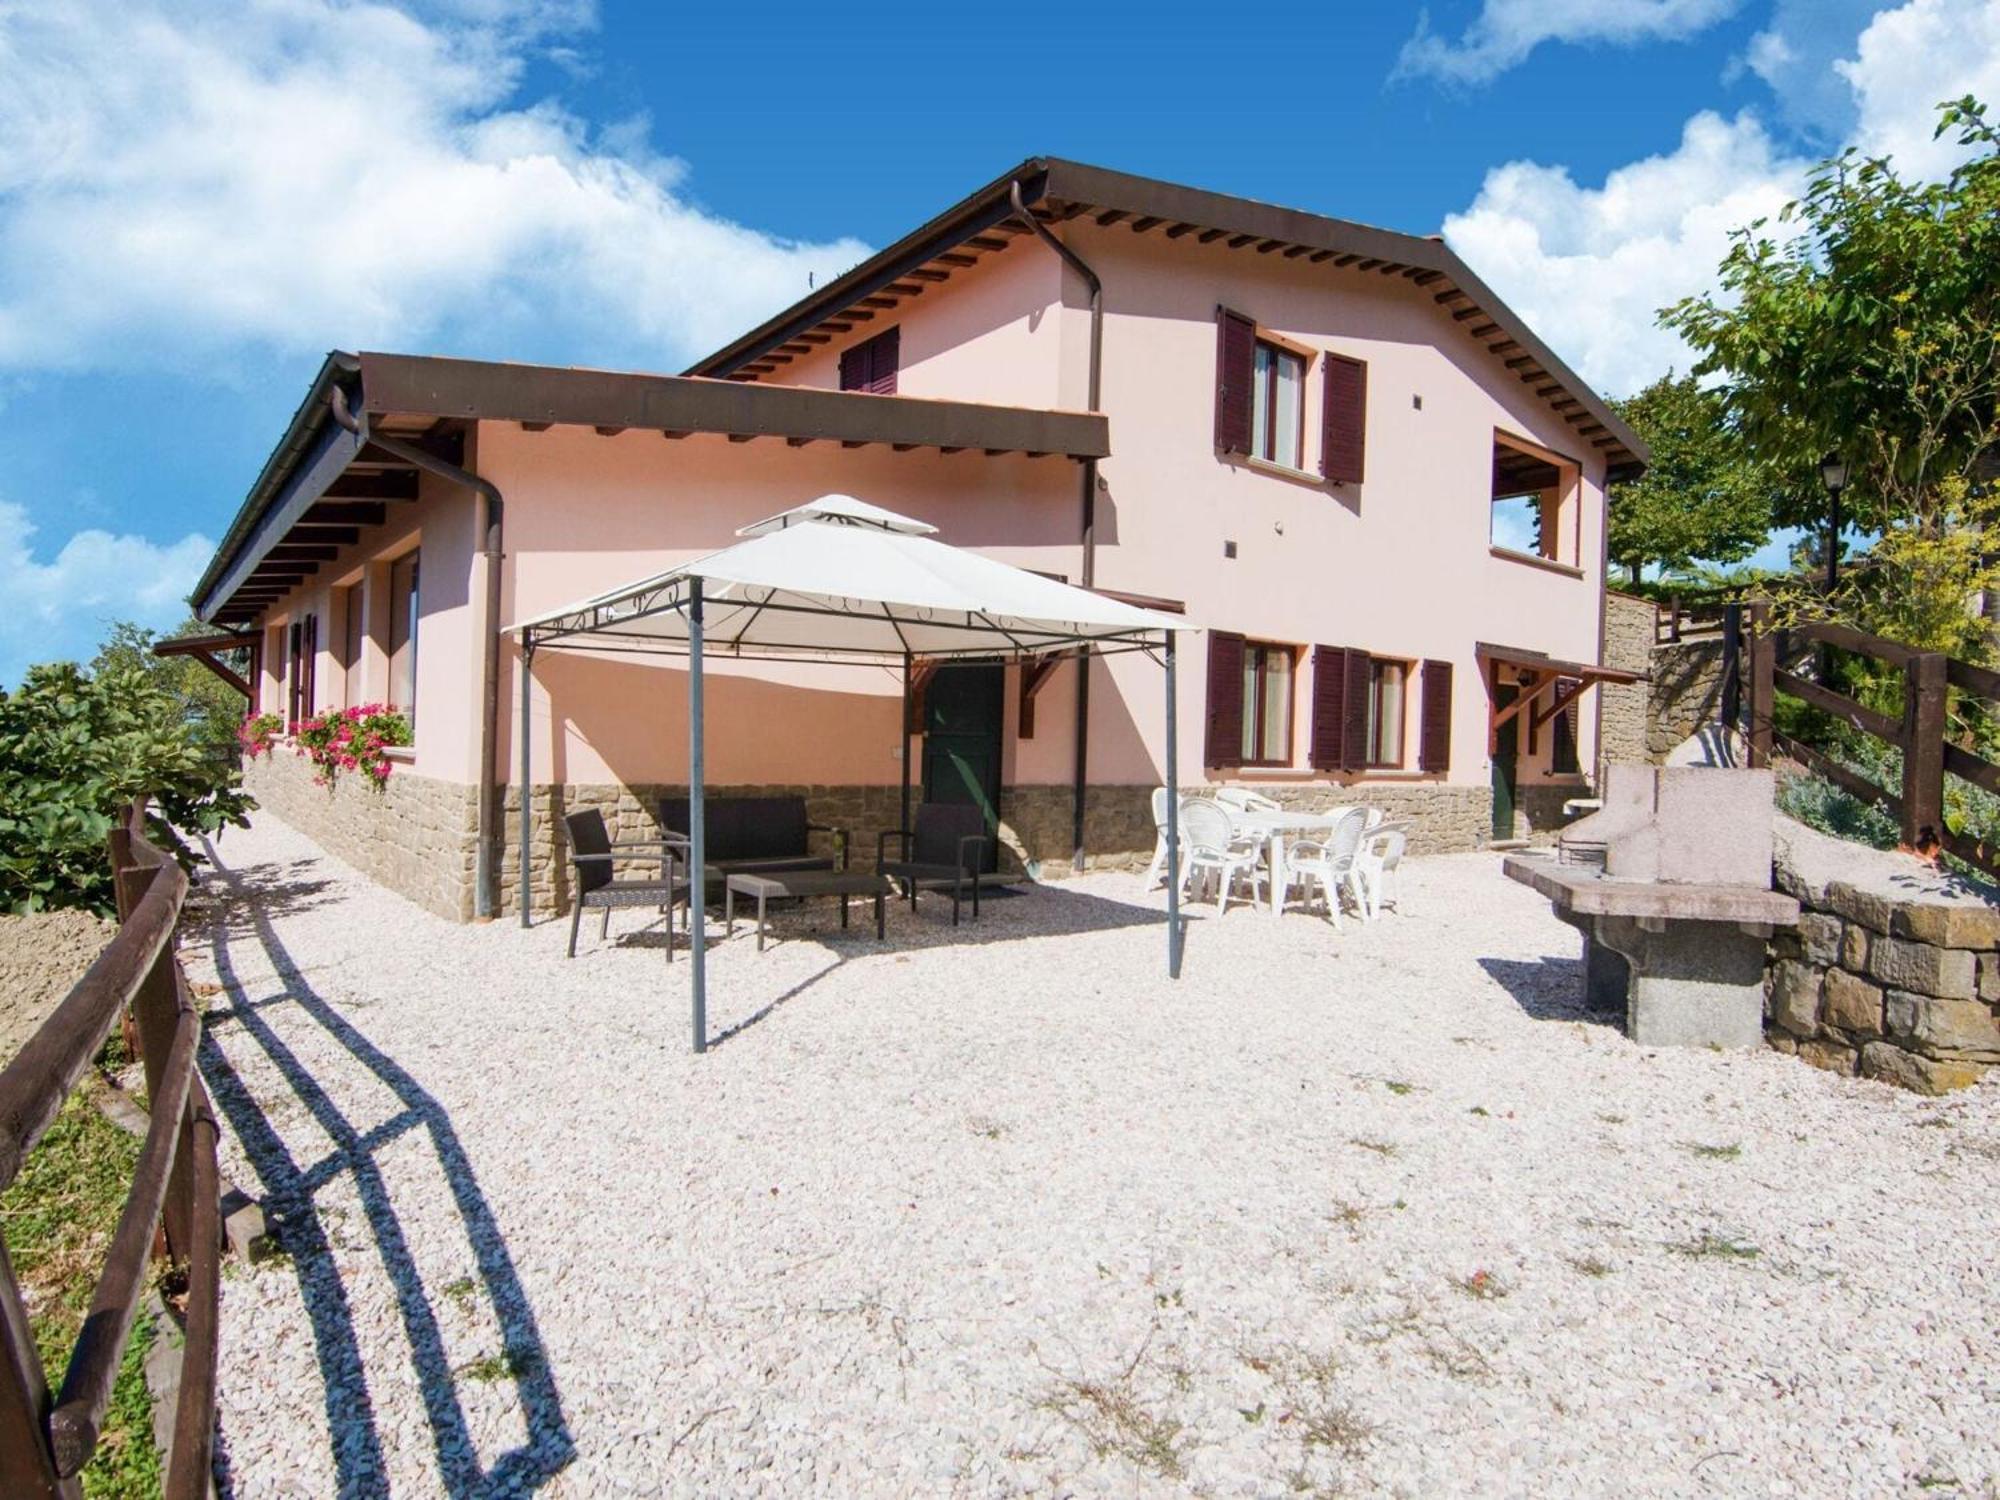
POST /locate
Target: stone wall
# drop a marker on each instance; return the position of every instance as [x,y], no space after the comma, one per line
[1894,970]
[1684,695]
[418,836]
[1625,710]
[1443,819]
[413,834]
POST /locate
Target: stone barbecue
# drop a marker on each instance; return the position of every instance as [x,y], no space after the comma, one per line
[1670,883]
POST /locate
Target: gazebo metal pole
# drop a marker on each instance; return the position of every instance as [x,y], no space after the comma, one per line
[1173,825]
[905,756]
[697,827]
[524,813]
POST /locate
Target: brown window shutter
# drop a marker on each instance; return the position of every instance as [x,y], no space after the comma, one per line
[1354,711]
[1435,752]
[1344,431]
[1235,365]
[312,663]
[1224,745]
[854,368]
[887,357]
[1329,704]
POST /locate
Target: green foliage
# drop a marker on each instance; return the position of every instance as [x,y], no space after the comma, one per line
[1701,498]
[209,703]
[1873,331]
[75,749]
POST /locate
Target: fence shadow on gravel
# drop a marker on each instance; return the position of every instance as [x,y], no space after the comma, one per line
[289,1190]
[1549,988]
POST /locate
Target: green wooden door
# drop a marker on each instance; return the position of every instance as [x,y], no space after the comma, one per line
[1504,751]
[964,710]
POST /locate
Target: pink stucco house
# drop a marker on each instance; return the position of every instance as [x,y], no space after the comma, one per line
[1375,495]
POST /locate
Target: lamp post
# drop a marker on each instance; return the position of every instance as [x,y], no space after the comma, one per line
[1833,474]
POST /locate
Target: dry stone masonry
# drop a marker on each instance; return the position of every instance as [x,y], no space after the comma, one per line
[1894,971]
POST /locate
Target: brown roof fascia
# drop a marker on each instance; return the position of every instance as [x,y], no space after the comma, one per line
[485,391]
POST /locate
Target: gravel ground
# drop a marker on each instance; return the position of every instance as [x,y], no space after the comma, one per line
[42,955]
[1377,1212]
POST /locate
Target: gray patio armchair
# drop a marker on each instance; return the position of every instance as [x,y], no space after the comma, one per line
[593,856]
[944,851]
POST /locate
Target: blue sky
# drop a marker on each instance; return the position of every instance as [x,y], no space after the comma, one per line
[197,202]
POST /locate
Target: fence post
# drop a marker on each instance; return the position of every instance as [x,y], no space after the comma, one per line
[1763,663]
[1923,753]
[1732,665]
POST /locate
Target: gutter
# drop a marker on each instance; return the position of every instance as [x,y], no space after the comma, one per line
[1089,524]
[492,510]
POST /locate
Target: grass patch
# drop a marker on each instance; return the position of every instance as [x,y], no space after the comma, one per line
[1397,1087]
[1380,1148]
[1478,1109]
[58,1218]
[1715,1153]
[460,1291]
[508,1364]
[1588,1265]
[1718,1247]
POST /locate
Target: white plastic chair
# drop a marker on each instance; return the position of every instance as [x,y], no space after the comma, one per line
[1329,862]
[1377,862]
[1157,870]
[1245,800]
[1210,844]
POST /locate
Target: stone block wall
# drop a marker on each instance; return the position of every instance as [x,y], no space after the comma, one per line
[1443,819]
[1625,710]
[413,834]
[1893,971]
[1684,695]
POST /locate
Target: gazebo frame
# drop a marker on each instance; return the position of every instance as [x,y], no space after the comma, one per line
[603,627]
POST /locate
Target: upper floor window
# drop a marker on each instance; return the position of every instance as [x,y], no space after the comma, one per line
[1278,407]
[1260,400]
[871,365]
[1535,507]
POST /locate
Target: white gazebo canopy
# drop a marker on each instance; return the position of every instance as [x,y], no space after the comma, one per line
[839,579]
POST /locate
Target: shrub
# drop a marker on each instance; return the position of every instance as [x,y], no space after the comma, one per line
[75,749]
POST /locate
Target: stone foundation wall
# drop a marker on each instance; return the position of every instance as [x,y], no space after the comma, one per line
[413,834]
[1443,819]
[1893,972]
[418,836]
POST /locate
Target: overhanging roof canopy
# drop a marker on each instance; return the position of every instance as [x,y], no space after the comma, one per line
[840,578]
[1539,661]
[325,481]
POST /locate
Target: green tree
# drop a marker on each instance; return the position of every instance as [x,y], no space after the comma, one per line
[1871,330]
[211,705]
[1701,498]
[75,749]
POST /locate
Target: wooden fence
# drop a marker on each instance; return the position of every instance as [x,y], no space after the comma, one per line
[1921,732]
[44,1440]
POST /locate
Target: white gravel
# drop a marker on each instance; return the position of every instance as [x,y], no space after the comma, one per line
[1007,1212]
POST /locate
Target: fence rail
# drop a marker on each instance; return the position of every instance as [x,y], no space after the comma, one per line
[1921,732]
[46,1440]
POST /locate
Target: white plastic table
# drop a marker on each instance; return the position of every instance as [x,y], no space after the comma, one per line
[1274,828]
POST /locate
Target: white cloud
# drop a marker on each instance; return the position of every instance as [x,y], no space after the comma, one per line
[1506,31]
[178,183]
[58,609]
[1911,59]
[1589,266]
